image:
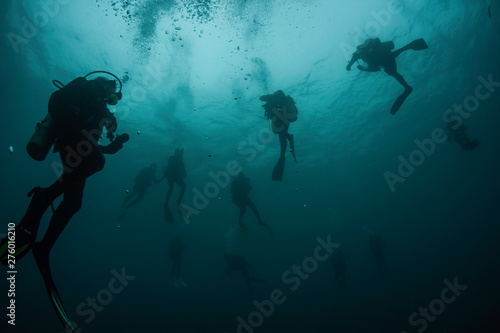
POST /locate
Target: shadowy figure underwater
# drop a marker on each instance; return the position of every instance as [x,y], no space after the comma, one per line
[175,172]
[77,114]
[142,182]
[457,133]
[281,110]
[240,188]
[238,263]
[380,55]
[176,249]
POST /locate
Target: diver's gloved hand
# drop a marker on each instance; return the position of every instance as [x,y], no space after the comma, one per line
[122,138]
[116,145]
[348,67]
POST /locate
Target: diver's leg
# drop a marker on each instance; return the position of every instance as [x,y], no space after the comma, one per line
[401,98]
[174,268]
[41,200]
[71,204]
[417,45]
[401,80]
[169,192]
[183,189]
[130,196]
[282,137]
[138,198]
[397,52]
[252,206]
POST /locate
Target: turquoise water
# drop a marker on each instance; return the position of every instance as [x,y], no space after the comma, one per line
[193,72]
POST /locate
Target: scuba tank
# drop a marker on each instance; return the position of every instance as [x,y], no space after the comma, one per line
[43,139]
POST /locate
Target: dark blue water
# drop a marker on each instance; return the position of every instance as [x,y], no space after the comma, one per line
[193,72]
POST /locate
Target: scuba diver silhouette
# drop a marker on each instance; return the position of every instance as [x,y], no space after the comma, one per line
[458,134]
[175,172]
[281,110]
[77,114]
[142,182]
[239,263]
[240,188]
[380,55]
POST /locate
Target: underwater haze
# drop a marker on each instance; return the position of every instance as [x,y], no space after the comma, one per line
[192,73]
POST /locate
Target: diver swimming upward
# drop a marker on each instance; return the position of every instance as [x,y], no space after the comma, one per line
[281,111]
[76,117]
[379,55]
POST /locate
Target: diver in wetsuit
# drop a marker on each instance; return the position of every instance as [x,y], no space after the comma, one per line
[144,179]
[77,114]
[175,172]
[380,55]
[142,182]
[240,188]
[239,263]
[281,110]
[457,133]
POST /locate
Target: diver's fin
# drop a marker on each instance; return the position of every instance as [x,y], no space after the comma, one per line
[418,44]
[279,169]
[169,217]
[400,100]
[44,268]
[269,228]
[16,245]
